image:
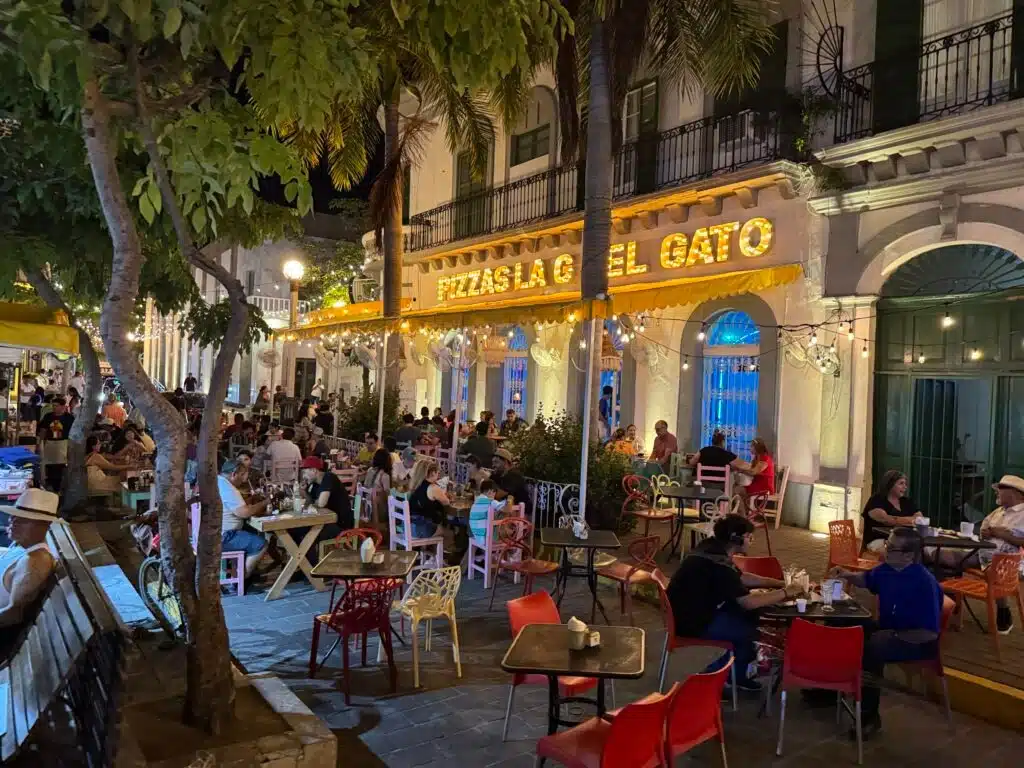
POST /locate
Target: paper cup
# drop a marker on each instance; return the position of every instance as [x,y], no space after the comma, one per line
[967,529]
[801,605]
[577,640]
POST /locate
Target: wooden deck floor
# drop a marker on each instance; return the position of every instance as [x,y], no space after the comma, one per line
[968,649]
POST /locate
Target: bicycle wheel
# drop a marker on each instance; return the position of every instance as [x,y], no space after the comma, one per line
[159,597]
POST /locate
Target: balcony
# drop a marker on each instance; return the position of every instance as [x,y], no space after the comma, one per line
[673,158]
[950,75]
[276,309]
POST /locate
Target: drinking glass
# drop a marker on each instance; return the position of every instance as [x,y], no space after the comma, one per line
[826,596]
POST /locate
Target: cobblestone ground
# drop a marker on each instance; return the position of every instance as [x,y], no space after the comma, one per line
[451,721]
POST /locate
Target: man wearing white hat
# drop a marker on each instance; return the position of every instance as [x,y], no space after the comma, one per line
[25,567]
[1005,528]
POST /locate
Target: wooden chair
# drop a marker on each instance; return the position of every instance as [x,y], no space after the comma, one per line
[349,478]
[716,476]
[400,525]
[1002,580]
[480,557]
[773,504]
[636,571]
[843,548]
[232,563]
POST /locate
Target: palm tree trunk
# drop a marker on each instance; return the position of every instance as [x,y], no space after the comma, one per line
[76,490]
[393,240]
[116,321]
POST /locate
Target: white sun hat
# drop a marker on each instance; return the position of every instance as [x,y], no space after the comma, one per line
[35,504]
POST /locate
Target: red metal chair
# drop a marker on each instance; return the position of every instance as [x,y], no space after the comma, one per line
[639,502]
[695,713]
[934,665]
[350,539]
[674,641]
[538,608]
[364,608]
[637,571]
[843,550]
[515,555]
[768,567]
[1001,580]
[635,737]
[823,657]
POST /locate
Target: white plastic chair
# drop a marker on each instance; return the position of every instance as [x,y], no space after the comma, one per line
[400,525]
[431,596]
[487,550]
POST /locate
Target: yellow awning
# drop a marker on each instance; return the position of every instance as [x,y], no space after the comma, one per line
[552,308]
[28,326]
[645,297]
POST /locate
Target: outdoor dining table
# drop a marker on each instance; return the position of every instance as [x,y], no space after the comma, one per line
[965,544]
[565,539]
[279,526]
[678,494]
[543,649]
[134,497]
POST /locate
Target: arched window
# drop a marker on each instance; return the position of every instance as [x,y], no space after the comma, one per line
[612,346]
[730,381]
[513,389]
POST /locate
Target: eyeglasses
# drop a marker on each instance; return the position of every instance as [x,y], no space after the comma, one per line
[901,549]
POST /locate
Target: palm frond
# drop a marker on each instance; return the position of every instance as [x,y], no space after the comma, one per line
[386,192]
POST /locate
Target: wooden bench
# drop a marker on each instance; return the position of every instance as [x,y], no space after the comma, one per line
[61,679]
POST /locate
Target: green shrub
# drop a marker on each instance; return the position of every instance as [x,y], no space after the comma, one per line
[361,417]
[550,449]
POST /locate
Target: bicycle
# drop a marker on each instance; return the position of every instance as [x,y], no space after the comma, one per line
[156,592]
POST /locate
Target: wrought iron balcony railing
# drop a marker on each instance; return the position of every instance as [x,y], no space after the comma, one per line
[957,73]
[675,157]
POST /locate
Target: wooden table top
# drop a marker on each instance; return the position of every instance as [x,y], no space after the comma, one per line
[288,520]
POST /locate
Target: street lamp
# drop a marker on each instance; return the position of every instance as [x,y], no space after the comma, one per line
[293,270]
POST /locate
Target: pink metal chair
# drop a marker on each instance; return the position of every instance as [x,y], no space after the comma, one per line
[232,563]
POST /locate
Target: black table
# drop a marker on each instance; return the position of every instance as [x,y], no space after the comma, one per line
[679,494]
[842,610]
[565,539]
[962,543]
[543,649]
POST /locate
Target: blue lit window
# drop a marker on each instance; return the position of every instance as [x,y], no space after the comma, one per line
[513,390]
[730,381]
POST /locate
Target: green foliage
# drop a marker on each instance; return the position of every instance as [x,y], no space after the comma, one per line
[361,417]
[551,449]
[333,265]
[206,324]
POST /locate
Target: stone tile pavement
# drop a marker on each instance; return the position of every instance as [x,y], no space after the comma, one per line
[451,721]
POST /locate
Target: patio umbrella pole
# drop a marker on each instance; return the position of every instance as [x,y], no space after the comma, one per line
[381,361]
[588,404]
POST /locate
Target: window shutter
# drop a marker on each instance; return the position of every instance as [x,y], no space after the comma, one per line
[898,29]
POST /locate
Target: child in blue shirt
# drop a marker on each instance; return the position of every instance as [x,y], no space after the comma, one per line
[480,511]
[909,616]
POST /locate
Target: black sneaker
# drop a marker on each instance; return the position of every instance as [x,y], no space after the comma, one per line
[745,684]
[868,729]
[1004,621]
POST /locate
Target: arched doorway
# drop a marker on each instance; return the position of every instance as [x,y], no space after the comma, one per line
[949,377]
[730,379]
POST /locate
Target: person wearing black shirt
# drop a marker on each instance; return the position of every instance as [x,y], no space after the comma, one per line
[479,445]
[424,420]
[887,509]
[190,383]
[511,424]
[327,492]
[408,433]
[52,432]
[325,420]
[714,455]
[509,480]
[711,598]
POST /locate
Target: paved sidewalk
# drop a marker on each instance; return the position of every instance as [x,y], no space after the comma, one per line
[452,721]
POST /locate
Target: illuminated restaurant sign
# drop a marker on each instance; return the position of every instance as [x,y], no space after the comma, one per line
[707,245]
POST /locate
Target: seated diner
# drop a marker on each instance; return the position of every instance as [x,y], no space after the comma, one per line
[712,599]
[887,509]
[27,564]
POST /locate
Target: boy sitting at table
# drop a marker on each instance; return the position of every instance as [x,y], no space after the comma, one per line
[481,510]
[909,615]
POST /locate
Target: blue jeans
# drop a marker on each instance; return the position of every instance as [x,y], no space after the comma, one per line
[423,528]
[242,540]
[734,627]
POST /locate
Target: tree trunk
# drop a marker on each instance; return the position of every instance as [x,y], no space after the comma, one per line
[76,490]
[210,692]
[393,242]
[597,211]
[116,321]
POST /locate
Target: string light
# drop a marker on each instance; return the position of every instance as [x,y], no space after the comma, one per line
[814,337]
[864,352]
[686,363]
[849,334]
[947,321]
[977,354]
[702,334]
[583,343]
[921,358]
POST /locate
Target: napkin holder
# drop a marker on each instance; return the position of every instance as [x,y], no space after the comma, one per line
[367,550]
